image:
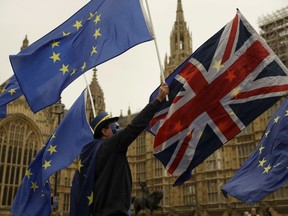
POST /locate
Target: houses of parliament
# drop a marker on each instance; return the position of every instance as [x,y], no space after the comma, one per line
[22,134]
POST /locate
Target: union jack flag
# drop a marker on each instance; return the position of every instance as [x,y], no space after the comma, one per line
[214,94]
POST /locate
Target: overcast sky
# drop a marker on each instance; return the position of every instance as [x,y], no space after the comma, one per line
[129,79]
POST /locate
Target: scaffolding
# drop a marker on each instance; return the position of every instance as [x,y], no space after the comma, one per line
[274,29]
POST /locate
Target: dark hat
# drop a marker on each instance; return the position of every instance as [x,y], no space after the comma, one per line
[102,119]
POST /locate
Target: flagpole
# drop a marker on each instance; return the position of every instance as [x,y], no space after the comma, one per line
[90,96]
[156,46]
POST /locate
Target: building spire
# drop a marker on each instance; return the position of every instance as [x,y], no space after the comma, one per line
[25,43]
[180,42]
[179,12]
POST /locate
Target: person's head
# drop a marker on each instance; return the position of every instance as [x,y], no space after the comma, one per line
[246,213]
[253,211]
[104,125]
[268,209]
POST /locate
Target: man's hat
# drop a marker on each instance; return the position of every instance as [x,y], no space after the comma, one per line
[102,119]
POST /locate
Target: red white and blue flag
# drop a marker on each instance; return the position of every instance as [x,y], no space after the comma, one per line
[214,94]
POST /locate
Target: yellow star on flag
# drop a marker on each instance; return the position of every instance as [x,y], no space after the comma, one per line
[84,66]
[90,198]
[52,149]
[64,69]
[78,24]
[276,119]
[93,50]
[97,33]
[79,166]
[34,185]
[28,173]
[91,15]
[46,164]
[261,163]
[64,34]
[267,168]
[55,57]
[73,72]
[53,136]
[261,149]
[55,43]
[12,91]
[97,18]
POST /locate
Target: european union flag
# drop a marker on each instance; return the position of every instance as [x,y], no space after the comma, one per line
[81,201]
[266,170]
[67,141]
[101,30]
[10,92]
[33,198]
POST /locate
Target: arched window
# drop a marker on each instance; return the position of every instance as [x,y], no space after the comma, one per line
[19,141]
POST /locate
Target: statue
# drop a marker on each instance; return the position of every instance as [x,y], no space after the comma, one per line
[147,200]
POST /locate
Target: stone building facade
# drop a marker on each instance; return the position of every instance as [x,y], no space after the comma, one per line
[22,133]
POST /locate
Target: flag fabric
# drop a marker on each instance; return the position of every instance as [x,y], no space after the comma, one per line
[3,112]
[81,201]
[66,143]
[101,30]
[10,92]
[33,198]
[221,88]
[266,169]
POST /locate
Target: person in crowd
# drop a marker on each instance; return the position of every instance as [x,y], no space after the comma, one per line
[253,212]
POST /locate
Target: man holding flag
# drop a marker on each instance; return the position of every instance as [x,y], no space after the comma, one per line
[103,182]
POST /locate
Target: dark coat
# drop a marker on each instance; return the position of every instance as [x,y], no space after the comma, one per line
[113,184]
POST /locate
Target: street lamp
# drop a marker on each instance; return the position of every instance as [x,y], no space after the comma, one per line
[58,109]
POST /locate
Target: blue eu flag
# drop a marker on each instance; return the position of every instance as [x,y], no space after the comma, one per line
[266,170]
[100,31]
[10,92]
[81,202]
[67,141]
[33,198]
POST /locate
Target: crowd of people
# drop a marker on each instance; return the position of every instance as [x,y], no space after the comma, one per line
[267,212]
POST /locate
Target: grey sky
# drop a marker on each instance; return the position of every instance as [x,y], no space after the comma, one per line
[129,79]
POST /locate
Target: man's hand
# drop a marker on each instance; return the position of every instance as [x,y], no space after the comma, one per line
[163,91]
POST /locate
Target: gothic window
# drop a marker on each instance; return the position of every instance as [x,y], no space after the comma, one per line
[158,168]
[18,143]
[66,202]
[141,171]
[189,194]
[212,191]
[140,144]
[244,150]
[213,162]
